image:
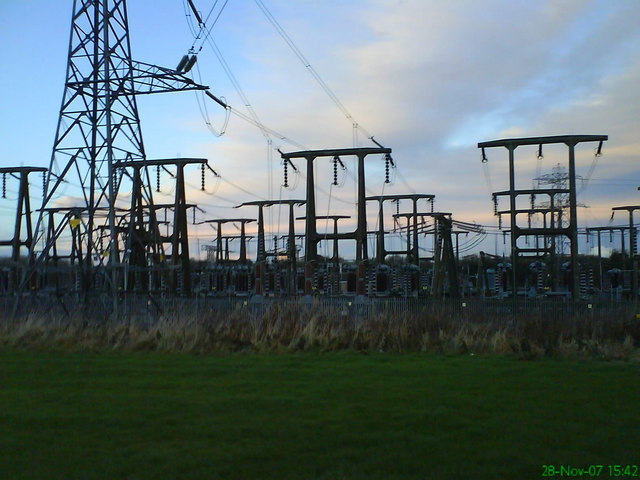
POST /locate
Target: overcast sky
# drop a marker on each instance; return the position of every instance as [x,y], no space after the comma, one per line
[430,79]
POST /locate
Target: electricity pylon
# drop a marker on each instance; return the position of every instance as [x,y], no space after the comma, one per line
[98,127]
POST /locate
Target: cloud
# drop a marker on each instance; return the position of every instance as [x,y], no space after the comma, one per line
[429,79]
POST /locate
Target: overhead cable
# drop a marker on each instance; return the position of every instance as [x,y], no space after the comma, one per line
[310,68]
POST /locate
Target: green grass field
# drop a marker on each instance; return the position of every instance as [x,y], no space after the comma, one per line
[311,416]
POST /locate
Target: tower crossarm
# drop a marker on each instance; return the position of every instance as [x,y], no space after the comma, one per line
[147,78]
[139,79]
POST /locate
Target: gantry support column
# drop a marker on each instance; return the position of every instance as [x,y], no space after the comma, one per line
[512,221]
[573,221]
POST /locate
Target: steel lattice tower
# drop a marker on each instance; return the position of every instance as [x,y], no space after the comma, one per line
[99,126]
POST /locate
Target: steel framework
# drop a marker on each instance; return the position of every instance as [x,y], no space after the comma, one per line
[517,231]
[98,127]
[359,234]
[23,210]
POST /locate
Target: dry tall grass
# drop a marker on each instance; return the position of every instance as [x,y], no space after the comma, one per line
[292,327]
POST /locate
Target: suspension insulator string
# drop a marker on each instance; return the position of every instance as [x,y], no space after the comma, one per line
[386,169]
[4,185]
[336,162]
[286,174]
[201,181]
[388,163]
[599,150]
[158,178]
[44,184]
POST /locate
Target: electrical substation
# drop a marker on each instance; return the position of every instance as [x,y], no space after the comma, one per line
[96,249]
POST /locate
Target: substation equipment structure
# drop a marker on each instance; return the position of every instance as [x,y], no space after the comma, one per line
[559,220]
[99,233]
[625,281]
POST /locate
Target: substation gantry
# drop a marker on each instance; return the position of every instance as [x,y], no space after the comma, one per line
[444,264]
[413,253]
[444,259]
[633,247]
[333,236]
[359,234]
[223,275]
[610,230]
[23,209]
[22,221]
[144,245]
[222,253]
[517,231]
[226,240]
[261,254]
[172,265]
[329,278]
[415,225]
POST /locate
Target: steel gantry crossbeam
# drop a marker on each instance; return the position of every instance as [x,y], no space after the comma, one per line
[511,144]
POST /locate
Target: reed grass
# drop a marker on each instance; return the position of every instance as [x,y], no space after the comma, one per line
[287,327]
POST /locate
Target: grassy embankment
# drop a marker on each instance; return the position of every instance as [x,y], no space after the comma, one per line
[341,415]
